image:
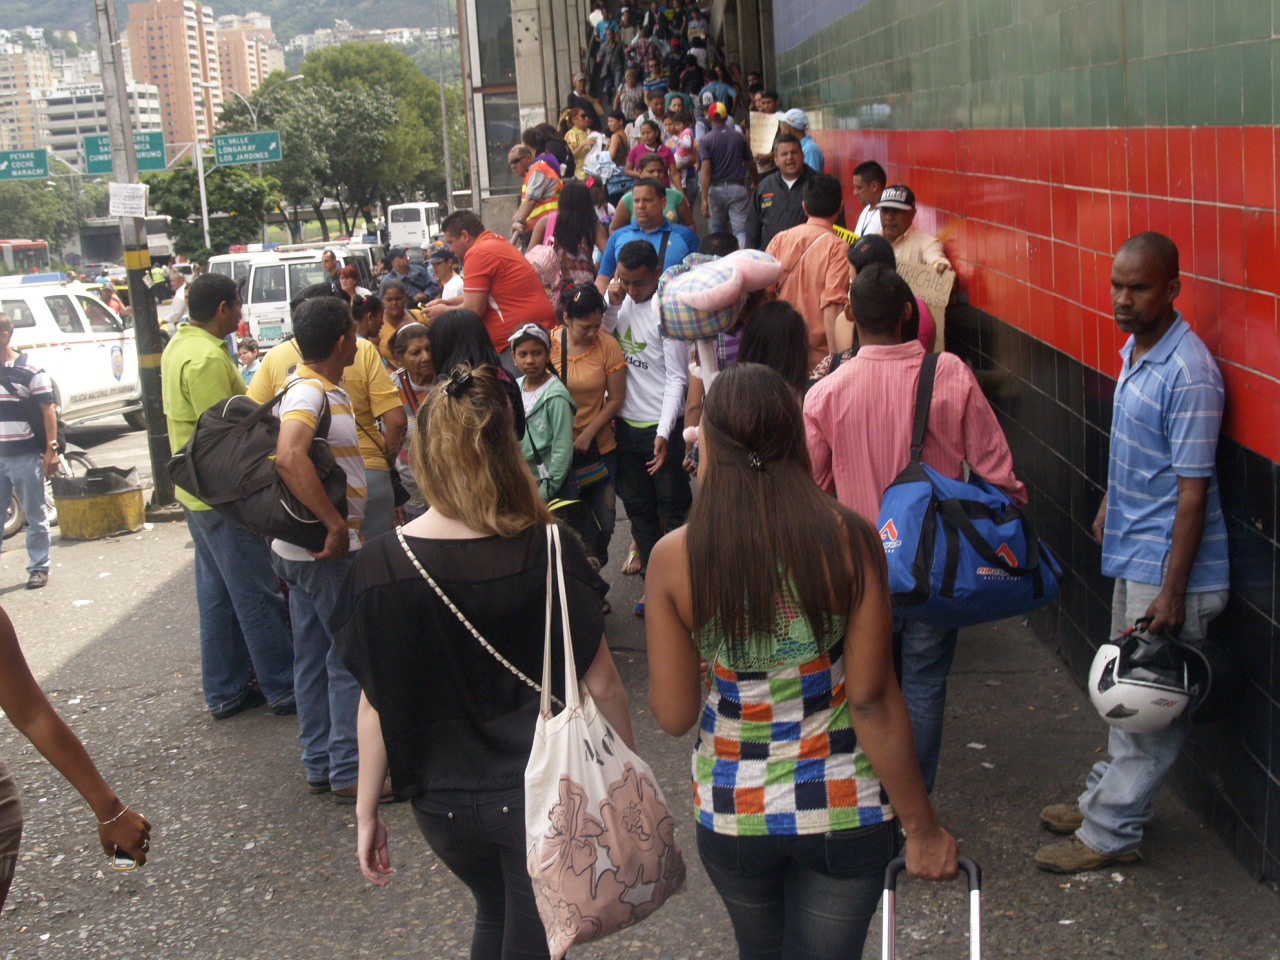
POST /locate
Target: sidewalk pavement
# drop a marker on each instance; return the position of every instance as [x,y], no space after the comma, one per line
[246,864]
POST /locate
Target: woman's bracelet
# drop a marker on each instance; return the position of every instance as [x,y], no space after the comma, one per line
[107,823]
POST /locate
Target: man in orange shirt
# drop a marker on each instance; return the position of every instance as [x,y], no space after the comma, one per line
[815,259]
[498,284]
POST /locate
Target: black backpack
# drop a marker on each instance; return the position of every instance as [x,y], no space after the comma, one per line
[230,463]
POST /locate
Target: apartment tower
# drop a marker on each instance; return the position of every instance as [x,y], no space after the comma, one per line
[172,44]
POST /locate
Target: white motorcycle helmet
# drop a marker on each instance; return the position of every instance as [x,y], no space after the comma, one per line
[1140,684]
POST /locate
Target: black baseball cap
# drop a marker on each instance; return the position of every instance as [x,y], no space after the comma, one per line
[898,197]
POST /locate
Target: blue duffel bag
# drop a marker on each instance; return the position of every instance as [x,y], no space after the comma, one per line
[959,552]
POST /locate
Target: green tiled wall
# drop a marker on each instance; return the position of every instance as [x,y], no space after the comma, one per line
[955,64]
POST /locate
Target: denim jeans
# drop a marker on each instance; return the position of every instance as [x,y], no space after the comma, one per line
[927,653]
[479,836]
[655,504]
[328,695]
[802,898]
[379,508]
[1118,793]
[727,204]
[242,613]
[23,473]
[595,523]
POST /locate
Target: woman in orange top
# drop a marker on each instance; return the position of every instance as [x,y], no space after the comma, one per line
[591,364]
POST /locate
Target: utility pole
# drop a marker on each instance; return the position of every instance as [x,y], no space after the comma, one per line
[444,113]
[137,257]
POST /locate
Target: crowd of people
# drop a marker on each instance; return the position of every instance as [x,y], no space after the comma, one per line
[507,386]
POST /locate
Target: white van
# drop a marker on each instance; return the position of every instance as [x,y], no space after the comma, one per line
[85,348]
[275,278]
[233,265]
[410,225]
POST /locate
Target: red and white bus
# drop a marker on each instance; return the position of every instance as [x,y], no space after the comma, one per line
[25,256]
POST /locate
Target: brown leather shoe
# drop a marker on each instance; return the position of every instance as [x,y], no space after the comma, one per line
[1062,817]
[347,795]
[1073,856]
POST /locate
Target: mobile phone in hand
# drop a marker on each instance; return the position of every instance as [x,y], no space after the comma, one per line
[123,860]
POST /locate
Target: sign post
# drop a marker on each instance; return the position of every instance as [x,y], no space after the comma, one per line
[137,258]
[148,145]
[23,164]
[232,149]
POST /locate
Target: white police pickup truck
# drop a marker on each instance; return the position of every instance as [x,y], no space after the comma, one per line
[86,349]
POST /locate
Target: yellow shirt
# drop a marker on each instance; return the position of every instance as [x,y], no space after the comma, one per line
[366,382]
[388,332]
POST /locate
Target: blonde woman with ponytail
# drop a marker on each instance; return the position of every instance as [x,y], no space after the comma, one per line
[452,723]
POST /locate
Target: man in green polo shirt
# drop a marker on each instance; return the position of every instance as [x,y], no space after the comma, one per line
[242,612]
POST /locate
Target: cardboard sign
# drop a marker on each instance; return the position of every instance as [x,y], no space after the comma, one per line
[764,127]
[127,199]
[934,289]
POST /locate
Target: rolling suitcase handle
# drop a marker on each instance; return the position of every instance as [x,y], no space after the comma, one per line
[888,926]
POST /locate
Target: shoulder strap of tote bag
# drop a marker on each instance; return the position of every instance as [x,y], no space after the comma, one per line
[555,560]
[924,399]
[444,598]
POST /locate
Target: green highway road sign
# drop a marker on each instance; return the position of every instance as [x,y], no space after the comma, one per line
[233,148]
[147,145]
[23,164]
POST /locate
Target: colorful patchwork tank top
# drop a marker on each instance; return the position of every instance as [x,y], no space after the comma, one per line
[776,751]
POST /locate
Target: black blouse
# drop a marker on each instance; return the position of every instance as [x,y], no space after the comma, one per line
[453,718]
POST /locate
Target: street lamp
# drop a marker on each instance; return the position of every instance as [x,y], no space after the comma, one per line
[253,118]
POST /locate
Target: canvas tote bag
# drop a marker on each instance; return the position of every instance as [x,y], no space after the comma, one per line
[601,845]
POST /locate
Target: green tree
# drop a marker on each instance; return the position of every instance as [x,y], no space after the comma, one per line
[239,203]
[303,114]
[410,163]
[50,209]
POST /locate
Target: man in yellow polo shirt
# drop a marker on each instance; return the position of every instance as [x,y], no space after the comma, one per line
[373,397]
[242,613]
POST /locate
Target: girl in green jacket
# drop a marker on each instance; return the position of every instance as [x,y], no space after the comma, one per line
[548,411]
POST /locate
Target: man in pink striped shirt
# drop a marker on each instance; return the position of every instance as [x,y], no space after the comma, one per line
[858,426]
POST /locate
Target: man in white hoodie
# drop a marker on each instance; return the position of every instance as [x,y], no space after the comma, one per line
[651,481]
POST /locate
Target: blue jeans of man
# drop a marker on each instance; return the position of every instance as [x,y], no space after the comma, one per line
[1118,794]
[927,652]
[242,613]
[657,501]
[727,206]
[23,474]
[379,507]
[328,695]
[800,897]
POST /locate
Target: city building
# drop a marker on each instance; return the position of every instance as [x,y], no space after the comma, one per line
[81,68]
[173,45]
[343,31]
[247,47]
[242,60]
[69,113]
[22,70]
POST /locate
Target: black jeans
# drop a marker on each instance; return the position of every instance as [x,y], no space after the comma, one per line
[655,504]
[479,835]
[800,898]
[595,520]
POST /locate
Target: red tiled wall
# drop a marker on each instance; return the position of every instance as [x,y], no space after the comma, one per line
[1032,218]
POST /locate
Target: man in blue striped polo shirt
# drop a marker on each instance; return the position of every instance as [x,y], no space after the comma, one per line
[1162,534]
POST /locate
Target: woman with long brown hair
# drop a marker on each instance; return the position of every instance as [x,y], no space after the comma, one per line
[783,592]
[427,613]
